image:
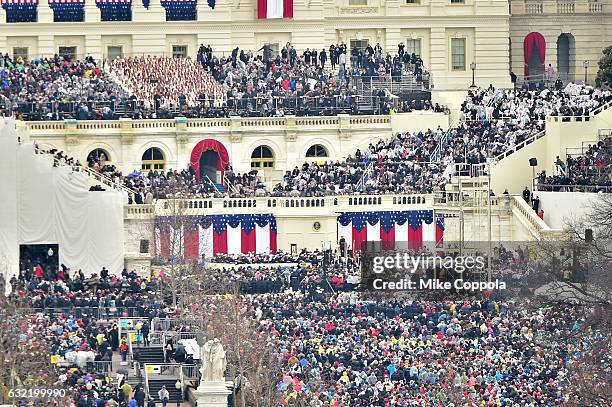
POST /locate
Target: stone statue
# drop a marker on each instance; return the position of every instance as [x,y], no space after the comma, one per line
[214,361]
[219,361]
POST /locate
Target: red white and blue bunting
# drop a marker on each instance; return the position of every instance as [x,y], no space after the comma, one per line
[207,236]
[391,228]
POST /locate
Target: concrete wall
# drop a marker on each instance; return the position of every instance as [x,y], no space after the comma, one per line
[418,121]
[561,207]
[514,173]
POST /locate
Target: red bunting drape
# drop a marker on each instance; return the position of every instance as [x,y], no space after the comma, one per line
[387,239]
[220,242]
[359,236]
[415,238]
[248,241]
[191,239]
[205,145]
[540,44]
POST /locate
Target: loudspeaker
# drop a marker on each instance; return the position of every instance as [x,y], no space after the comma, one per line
[533,162]
[588,235]
[144,246]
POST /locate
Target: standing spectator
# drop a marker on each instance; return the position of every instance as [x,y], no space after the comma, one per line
[322,58]
[526,195]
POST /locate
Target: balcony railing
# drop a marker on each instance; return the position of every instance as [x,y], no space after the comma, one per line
[565,7]
[595,6]
[534,6]
[183,124]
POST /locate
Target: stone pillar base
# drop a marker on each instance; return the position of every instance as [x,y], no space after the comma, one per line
[212,394]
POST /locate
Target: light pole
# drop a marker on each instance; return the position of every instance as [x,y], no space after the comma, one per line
[473,68]
[585,64]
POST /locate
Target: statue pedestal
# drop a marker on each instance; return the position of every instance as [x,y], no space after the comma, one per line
[212,394]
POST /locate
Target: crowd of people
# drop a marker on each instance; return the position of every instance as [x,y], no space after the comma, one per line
[397,165]
[589,172]
[334,347]
[258,85]
[166,81]
[495,121]
[57,88]
[76,318]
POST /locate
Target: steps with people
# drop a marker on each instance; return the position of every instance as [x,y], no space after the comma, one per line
[219,187]
[155,385]
[151,355]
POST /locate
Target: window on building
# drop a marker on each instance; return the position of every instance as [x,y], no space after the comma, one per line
[68,52]
[99,156]
[413,1]
[316,150]
[458,54]
[153,159]
[179,51]
[457,1]
[358,2]
[413,45]
[274,48]
[20,52]
[360,44]
[262,157]
[114,52]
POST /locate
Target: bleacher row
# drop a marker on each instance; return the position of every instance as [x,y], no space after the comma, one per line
[25,11]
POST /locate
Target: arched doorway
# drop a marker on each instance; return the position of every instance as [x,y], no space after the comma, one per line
[565,56]
[208,165]
[209,157]
[534,50]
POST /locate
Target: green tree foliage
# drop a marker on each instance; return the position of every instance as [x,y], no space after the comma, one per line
[604,75]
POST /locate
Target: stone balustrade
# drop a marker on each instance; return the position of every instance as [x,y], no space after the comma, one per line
[293,205]
[531,7]
[183,124]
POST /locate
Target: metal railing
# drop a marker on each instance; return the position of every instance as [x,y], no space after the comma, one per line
[544,187]
[169,324]
[231,188]
[442,142]
[90,312]
[260,106]
[364,178]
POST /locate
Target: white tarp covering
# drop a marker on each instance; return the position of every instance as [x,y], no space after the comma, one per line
[9,243]
[54,206]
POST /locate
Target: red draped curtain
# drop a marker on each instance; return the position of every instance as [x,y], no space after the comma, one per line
[261,9]
[540,44]
[205,145]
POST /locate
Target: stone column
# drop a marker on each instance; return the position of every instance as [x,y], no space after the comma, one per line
[92,12]
[46,45]
[392,38]
[93,45]
[45,14]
